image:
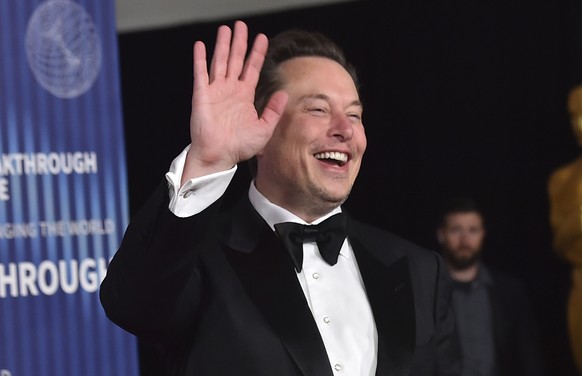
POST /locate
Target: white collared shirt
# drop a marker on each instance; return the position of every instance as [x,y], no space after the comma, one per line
[335,294]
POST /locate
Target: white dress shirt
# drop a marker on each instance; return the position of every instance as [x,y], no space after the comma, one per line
[335,294]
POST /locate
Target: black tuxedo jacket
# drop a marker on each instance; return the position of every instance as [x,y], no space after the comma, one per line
[218,295]
[515,330]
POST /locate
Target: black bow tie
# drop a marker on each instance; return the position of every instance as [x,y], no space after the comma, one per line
[329,236]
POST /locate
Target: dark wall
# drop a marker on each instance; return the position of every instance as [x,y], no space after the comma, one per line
[461,98]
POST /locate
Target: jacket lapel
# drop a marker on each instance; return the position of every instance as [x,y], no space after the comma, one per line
[267,274]
[385,272]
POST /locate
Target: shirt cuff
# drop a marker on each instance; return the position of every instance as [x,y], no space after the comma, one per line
[196,194]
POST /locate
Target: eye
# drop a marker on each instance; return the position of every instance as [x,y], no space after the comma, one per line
[355,117]
[455,231]
[317,110]
[474,230]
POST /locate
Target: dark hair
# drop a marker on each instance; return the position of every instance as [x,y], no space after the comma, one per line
[286,46]
[459,205]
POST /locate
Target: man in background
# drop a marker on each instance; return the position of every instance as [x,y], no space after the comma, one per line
[495,324]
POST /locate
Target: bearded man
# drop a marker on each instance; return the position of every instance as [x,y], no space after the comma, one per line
[495,322]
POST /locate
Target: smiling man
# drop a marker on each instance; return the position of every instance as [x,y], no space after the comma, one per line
[285,283]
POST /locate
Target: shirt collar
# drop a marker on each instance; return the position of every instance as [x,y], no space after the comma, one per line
[482,279]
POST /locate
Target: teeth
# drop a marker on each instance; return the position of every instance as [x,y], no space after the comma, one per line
[335,155]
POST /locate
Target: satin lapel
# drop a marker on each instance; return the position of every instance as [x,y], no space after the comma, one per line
[267,274]
[386,277]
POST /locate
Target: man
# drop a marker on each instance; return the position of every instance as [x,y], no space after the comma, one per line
[494,318]
[216,289]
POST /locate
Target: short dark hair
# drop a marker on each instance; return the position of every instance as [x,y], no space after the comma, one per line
[286,46]
[459,205]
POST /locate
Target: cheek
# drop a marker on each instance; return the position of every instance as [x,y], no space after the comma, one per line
[362,141]
[476,240]
[452,241]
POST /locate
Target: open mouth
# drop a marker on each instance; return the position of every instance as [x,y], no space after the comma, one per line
[332,157]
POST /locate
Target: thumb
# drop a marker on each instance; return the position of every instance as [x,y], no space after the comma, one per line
[274,108]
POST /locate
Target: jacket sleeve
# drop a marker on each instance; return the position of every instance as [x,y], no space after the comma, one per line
[152,288]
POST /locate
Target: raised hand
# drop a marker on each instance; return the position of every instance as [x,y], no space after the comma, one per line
[225,127]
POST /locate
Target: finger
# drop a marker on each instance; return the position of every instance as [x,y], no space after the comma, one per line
[254,63]
[238,50]
[200,70]
[221,51]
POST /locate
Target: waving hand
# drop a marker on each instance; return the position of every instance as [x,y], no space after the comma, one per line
[225,127]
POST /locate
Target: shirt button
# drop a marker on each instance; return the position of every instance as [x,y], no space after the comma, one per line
[338,367]
[326,320]
[188,194]
[315,275]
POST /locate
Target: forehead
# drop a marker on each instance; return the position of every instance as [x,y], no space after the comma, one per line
[313,73]
[464,219]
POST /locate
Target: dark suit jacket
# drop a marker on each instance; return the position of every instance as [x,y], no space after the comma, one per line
[218,295]
[515,330]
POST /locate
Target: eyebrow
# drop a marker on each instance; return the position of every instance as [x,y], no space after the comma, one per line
[326,98]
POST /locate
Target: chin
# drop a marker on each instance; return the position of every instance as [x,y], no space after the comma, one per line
[339,194]
[462,263]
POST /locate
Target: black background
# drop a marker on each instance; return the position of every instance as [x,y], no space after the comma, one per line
[461,97]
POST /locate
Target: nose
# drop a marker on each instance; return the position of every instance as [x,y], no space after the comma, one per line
[342,127]
[464,236]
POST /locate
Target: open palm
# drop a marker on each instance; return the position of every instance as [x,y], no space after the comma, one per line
[225,127]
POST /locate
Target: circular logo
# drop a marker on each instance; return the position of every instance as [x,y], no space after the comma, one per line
[63,48]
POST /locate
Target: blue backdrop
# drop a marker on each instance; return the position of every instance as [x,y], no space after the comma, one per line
[63,190]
